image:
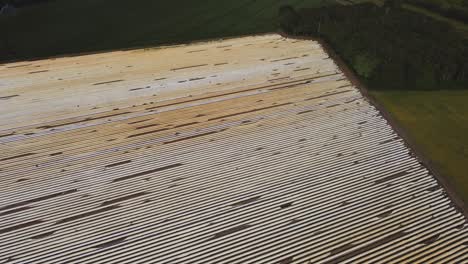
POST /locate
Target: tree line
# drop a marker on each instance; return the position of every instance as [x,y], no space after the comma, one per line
[457,12]
[22,3]
[388,47]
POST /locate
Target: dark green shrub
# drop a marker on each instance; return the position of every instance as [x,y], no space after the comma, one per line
[393,3]
[289,20]
[399,49]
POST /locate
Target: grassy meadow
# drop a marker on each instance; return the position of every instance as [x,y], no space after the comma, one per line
[70,26]
[437,121]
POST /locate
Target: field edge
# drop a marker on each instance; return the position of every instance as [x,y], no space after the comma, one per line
[416,151]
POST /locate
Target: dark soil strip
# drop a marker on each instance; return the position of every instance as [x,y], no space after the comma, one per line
[149,132]
[430,240]
[160,79]
[188,124]
[290,58]
[191,137]
[342,248]
[84,120]
[247,122]
[218,64]
[140,121]
[305,112]
[287,260]
[188,67]
[108,82]
[197,79]
[44,235]
[353,100]
[18,66]
[118,164]
[111,243]
[121,199]
[326,95]
[388,141]
[19,156]
[177,179]
[231,230]
[277,79]
[247,201]
[286,205]
[50,196]
[8,97]
[22,179]
[391,177]
[147,172]
[76,217]
[15,210]
[250,111]
[385,214]
[7,135]
[16,227]
[331,106]
[433,189]
[152,125]
[136,89]
[38,71]
[303,69]
[193,51]
[56,153]
[364,249]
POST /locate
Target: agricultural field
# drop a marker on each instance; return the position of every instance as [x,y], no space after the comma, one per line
[248,150]
[411,84]
[70,26]
[252,149]
[437,121]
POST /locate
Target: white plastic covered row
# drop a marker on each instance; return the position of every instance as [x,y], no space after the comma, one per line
[245,150]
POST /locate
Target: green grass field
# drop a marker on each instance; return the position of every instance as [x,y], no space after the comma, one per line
[437,121]
[461,27]
[69,26]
